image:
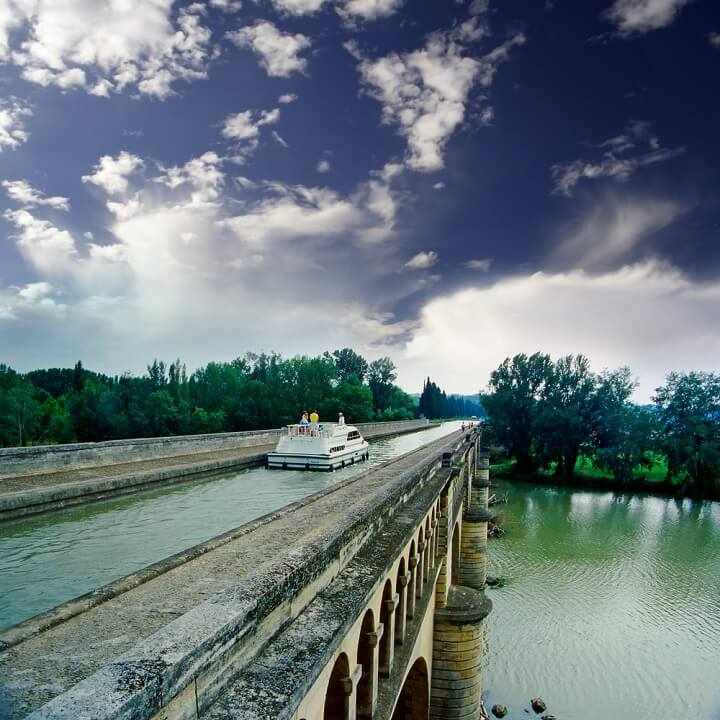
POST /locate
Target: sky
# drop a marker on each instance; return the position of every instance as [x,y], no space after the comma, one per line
[448,183]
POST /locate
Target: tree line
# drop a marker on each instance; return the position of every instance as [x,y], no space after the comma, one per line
[551,413]
[62,405]
[434,402]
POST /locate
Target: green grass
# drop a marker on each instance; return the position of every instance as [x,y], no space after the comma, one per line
[587,471]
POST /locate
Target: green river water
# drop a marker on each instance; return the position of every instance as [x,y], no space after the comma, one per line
[611,608]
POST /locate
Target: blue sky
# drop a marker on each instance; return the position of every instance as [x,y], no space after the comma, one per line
[445,182]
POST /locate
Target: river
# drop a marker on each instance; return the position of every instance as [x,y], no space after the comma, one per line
[48,559]
[611,608]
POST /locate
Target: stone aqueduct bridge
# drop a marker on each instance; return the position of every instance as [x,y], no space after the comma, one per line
[362,601]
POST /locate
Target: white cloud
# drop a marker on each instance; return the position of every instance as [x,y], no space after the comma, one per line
[279,52]
[323,166]
[615,230]
[439,186]
[617,318]
[111,174]
[368,9]
[422,260]
[226,5]
[615,161]
[21,192]
[636,17]
[244,128]
[298,7]
[202,174]
[482,265]
[48,248]
[424,92]
[487,116]
[287,98]
[296,212]
[279,139]
[31,299]
[714,39]
[12,126]
[104,46]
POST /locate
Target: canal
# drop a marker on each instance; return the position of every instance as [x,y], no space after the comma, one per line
[48,559]
[611,607]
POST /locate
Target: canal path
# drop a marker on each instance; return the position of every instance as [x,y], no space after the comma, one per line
[612,606]
[48,559]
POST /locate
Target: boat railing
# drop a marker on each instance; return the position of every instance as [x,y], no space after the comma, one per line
[314,430]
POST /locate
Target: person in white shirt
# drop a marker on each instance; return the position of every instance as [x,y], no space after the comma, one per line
[341,419]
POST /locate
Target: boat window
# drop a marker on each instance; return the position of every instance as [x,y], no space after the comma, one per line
[353,435]
[337,449]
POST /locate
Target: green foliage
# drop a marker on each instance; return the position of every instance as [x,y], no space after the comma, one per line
[688,408]
[435,403]
[513,405]
[251,392]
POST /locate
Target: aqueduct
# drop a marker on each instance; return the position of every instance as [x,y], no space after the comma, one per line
[363,601]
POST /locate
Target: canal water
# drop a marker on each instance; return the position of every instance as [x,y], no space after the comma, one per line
[611,607]
[48,559]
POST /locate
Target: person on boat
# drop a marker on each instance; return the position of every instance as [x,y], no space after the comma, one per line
[304,419]
[314,417]
[341,419]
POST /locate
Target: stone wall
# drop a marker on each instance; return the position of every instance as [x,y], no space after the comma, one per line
[51,458]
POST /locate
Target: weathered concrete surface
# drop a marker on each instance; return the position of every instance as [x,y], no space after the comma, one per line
[145,644]
[74,474]
[274,683]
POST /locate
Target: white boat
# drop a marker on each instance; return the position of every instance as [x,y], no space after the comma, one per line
[322,446]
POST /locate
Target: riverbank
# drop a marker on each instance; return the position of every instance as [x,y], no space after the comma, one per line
[588,478]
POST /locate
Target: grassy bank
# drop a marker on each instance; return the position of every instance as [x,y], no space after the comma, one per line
[588,476]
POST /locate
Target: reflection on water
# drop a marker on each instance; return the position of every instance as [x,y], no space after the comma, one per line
[49,559]
[612,609]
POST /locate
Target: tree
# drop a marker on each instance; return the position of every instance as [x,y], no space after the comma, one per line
[564,419]
[381,376]
[515,391]
[20,405]
[688,408]
[623,433]
[348,363]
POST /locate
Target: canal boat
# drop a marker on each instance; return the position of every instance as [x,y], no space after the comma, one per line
[318,446]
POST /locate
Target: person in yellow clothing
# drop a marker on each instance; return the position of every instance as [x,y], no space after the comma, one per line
[314,417]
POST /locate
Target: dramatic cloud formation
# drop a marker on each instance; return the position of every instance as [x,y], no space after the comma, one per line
[615,230]
[614,318]
[636,17]
[104,47]
[616,162]
[424,92]
[21,192]
[12,126]
[278,51]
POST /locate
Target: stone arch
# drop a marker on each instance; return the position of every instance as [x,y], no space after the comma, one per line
[414,700]
[387,641]
[455,554]
[337,699]
[367,659]
[429,553]
[400,610]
